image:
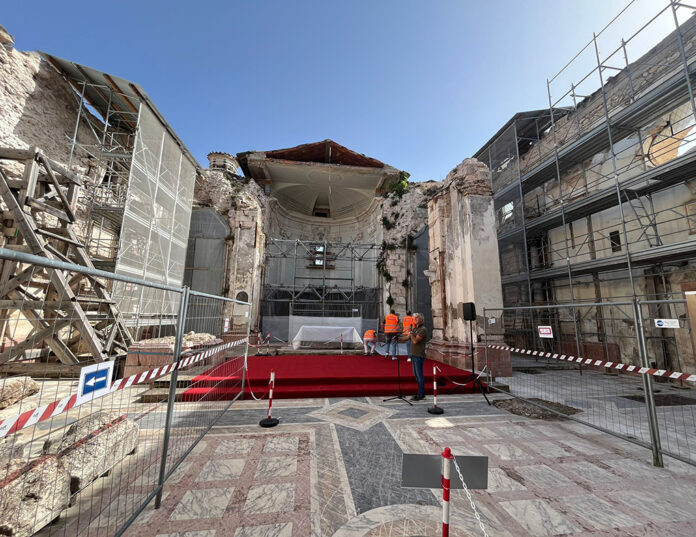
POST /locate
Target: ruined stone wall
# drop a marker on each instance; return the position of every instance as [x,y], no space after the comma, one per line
[39,108]
[401,218]
[464,265]
[245,207]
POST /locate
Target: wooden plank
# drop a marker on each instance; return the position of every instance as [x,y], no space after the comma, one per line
[57,237]
[57,254]
[19,304]
[58,168]
[19,279]
[59,189]
[31,175]
[50,209]
[48,332]
[19,248]
[43,370]
[12,153]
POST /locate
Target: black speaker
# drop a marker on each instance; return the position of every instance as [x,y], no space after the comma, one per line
[468,311]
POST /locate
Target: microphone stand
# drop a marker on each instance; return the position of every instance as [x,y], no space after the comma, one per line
[398,381]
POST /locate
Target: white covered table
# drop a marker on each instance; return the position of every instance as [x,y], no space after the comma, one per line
[326,334]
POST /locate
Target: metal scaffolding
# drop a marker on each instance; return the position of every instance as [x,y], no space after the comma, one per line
[592,195]
[321,279]
[620,136]
[139,206]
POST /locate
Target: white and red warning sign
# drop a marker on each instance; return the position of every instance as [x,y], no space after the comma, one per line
[545,332]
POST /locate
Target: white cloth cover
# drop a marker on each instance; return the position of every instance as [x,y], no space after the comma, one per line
[326,334]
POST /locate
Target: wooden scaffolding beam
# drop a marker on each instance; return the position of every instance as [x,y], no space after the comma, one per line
[80,322]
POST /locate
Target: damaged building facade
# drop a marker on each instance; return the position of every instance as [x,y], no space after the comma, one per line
[595,199]
[592,200]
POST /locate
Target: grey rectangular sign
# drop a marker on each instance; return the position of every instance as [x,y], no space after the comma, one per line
[425,472]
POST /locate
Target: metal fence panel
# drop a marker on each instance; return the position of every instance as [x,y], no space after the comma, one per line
[602,360]
[86,446]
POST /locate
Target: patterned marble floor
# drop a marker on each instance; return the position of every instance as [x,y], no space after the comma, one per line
[333,468]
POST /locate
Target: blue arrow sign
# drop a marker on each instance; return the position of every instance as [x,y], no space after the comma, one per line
[95,380]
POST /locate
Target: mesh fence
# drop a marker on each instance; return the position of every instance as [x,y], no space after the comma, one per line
[97,408]
[614,366]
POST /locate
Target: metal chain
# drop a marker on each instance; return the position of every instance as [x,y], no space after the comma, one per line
[468,495]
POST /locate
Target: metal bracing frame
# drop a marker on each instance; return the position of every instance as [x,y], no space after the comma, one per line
[40,208]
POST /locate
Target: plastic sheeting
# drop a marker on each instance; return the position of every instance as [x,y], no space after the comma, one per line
[326,334]
[298,321]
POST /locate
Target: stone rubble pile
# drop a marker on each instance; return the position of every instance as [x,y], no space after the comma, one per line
[191,340]
[34,492]
[15,389]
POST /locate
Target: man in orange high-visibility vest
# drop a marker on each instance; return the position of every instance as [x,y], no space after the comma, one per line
[369,340]
[409,324]
[391,330]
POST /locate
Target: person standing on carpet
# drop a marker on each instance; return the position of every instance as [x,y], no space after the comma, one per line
[391,330]
[418,337]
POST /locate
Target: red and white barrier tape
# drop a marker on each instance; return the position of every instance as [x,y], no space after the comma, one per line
[674,375]
[446,458]
[51,410]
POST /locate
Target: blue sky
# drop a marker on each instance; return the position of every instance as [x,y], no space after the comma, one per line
[420,85]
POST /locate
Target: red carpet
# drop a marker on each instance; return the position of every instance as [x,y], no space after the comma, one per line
[323,376]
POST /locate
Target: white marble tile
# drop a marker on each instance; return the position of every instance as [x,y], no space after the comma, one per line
[151,475]
[636,469]
[500,481]
[281,443]
[220,469]
[202,503]
[268,530]
[591,472]
[538,518]
[597,512]
[481,433]
[584,446]
[201,533]
[235,445]
[657,506]
[270,498]
[547,448]
[276,467]
[507,451]
[520,431]
[541,475]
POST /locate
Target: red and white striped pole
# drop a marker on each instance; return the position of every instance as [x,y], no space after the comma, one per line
[435,409]
[446,458]
[268,345]
[270,421]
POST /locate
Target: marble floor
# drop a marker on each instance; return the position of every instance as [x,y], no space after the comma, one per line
[333,468]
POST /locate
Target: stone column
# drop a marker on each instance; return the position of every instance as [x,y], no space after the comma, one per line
[464,267]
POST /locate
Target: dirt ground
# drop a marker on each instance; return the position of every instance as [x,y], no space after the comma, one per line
[526,408]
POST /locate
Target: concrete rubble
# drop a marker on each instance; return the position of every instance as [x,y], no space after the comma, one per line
[94,445]
[15,389]
[32,495]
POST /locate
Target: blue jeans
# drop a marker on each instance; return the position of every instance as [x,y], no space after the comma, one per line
[392,340]
[418,362]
